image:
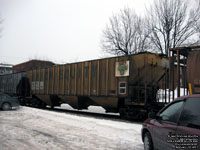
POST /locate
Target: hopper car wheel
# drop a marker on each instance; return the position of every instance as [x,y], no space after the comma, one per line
[123,113]
[43,105]
[6,106]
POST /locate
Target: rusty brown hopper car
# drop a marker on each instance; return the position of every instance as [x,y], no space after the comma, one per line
[116,84]
[193,71]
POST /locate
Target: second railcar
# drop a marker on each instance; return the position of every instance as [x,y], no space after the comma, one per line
[15,84]
[193,74]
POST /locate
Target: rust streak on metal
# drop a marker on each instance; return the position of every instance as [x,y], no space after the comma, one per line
[98,73]
[117,92]
[178,73]
[58,77]
[63,88]
[69,78]
[35,80]
[39,78]
[82,79]
[75,79]
[53,81]
[89,87]
[48,82]
[107,77]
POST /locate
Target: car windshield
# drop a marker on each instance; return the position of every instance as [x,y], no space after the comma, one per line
[191,112]
[172,112]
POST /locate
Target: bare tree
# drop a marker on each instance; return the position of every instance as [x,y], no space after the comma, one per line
[124,34]
[171,23]
[197,26]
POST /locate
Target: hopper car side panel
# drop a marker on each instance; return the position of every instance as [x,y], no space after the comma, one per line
[125,84]
[97,83]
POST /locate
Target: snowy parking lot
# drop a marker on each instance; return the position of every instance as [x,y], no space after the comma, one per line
[36,129]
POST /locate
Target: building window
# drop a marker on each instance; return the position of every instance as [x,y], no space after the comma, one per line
[122,87]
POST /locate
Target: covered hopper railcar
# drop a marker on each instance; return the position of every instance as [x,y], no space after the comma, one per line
[15,84]
[125,84]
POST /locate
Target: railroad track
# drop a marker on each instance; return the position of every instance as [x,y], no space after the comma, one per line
[83,113]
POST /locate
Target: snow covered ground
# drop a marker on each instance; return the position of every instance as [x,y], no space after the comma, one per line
[92,109]
[35,129]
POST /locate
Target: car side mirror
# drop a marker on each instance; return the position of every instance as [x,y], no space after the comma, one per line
[152,115]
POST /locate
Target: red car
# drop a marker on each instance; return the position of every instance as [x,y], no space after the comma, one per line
[176,126]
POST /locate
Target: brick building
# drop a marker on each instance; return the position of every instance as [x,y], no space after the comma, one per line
[32,64]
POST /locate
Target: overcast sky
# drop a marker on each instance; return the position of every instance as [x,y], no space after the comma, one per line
[62,31]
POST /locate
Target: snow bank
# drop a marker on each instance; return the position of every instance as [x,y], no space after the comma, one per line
[30,128]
